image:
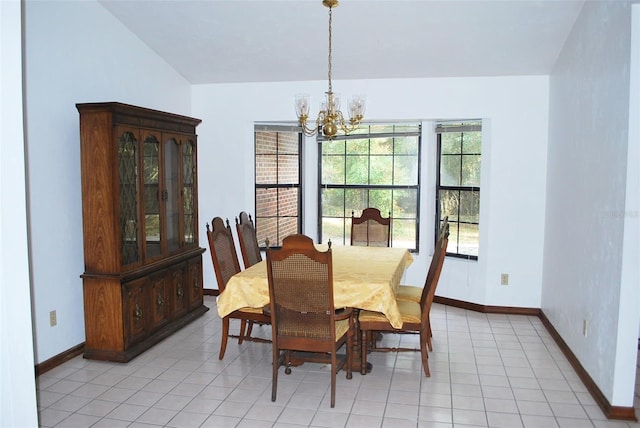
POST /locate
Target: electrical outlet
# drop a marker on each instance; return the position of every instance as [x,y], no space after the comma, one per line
[584,327]
[53,320]
[504,279]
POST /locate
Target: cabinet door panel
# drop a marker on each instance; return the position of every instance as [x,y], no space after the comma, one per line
[189,192]
[159,300]
[128,160]
[172,188]
[195,282]
[179,290]
[135,299]
[152,195]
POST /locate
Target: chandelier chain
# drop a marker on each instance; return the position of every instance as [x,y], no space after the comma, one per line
[329,72]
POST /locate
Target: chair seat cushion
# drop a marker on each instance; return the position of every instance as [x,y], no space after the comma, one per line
[251,310]
[342,327]
[409,292]
[410,312]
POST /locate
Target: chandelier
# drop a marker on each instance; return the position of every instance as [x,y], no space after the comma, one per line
[330,119]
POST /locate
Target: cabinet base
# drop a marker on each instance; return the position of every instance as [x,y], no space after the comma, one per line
[138,348]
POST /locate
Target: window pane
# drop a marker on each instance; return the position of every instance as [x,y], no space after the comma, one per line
[405,170]
[266,142]
[451,143]
[356,200]
[468,239]
[267,202]
[334,228]
[333,169]
[405,203]
[332,202]
[406,146]
[357,146]
[404,233]
[288,202]
[450,170]
[471,144]
[470,206]
[381,170]
[333,147]
[471,170]
[267,228]
[357,169]
[381,146]
[287,226]
[449,204]
[380,199]
[288,169]
[288,143]
[266,167]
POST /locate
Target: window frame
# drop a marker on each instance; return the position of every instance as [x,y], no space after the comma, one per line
[278,128]
[460,126]
[417,133]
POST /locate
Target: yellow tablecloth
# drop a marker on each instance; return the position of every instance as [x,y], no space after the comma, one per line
[363,277]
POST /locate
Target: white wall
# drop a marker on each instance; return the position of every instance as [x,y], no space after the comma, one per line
[513,169]
[591,188]
[17,386]
[75,52]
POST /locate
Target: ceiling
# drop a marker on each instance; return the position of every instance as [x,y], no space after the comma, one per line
[216,41]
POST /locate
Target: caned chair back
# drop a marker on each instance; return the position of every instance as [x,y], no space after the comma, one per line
[301,290]
[223,251]
[370,229]
[249,247]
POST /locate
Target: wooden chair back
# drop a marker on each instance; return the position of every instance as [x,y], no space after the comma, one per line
[301,293]
[223,251]
[370,229]
[248,240]
[435,268]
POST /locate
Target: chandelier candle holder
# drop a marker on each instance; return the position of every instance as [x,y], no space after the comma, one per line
[330,119]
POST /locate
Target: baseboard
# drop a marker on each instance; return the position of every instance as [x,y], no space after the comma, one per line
[210,291]
[55,361]
[507,310]
[611,412]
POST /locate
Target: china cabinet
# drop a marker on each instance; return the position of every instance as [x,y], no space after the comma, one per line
[143,263]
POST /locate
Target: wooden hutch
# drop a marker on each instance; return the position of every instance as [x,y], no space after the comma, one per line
[143,264]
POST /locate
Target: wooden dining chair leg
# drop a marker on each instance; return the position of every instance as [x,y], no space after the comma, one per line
[249,328]
[429,336]
[364,351]
[243,327]
[424,338]
[225,336]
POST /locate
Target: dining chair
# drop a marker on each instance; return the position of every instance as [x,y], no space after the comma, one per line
[248,240]
[370,229]
[303,316]
[415,316]
[413,293]
[225,265]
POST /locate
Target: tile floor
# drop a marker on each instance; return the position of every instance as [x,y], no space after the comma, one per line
[487,371]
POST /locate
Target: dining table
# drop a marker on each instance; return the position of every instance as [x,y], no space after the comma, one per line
[363,278]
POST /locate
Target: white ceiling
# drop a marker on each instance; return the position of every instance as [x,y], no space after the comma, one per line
[217,41]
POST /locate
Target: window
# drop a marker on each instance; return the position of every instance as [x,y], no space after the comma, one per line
[278,188]
[376,166]
[458,185]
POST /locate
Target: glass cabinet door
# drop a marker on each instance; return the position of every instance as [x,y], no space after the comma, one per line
[151,197]
[172,189]
[189,191]
[127,178]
